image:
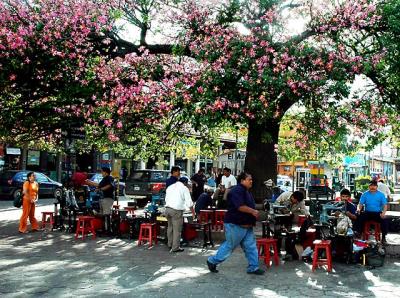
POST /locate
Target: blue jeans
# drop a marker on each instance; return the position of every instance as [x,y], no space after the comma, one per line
[236,235]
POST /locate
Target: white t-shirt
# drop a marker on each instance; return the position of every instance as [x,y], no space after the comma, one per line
[382,187]
[178,197]
[229,181]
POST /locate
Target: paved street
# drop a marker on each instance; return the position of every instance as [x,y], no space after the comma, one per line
[54,264]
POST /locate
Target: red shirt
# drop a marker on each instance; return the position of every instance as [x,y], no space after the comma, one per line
[78,178]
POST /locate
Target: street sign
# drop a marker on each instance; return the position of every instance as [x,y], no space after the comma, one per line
[74,133]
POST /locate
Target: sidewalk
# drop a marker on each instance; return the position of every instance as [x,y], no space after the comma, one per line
[54,264]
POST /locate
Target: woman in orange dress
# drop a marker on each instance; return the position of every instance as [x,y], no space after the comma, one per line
[30,196]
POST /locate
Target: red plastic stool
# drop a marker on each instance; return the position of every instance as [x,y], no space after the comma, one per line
[322,244]
[131,210]
[45,217]
[148,232]
[266,244]
[85,225]
[367,230]
[206,216]
[302,219]
[219,220]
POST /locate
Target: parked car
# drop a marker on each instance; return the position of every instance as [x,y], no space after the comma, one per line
[96,177]
[143,184]
[11,182]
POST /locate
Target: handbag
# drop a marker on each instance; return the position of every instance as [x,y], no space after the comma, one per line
[18,200]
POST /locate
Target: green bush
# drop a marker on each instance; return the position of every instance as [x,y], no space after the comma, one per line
[362,183]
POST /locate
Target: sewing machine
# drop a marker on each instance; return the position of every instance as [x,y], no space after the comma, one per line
[152,208]
[328,209]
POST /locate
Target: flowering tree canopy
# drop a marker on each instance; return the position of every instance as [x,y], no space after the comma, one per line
[64,63]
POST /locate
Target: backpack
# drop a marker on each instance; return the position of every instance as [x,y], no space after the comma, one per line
[18,200]
[374,256]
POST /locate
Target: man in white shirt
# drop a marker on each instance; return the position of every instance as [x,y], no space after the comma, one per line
[177,200]
[382,187]
[227,182]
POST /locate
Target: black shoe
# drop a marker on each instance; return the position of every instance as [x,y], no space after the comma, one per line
[257,272]
[212,267]
[178,250]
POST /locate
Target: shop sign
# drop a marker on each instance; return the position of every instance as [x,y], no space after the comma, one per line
[33,158]
[240,156]
[13,151]
[206,161]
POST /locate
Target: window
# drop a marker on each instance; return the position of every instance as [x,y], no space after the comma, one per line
[41,178]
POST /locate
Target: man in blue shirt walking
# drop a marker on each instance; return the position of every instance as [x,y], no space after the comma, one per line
[238,224]
[375,207]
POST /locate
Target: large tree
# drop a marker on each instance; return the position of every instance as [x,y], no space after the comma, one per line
[232,62]
[256,76]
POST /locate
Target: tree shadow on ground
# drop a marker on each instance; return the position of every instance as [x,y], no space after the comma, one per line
[55,264]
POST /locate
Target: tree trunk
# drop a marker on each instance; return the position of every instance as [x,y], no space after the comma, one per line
[261,158]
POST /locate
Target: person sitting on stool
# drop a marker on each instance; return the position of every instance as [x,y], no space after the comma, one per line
[375,209]
[295,203]
[350,208]
[204,201]
[227,182]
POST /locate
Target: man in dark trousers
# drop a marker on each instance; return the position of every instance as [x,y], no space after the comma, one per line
[198,180]
[238,225]
[374,205]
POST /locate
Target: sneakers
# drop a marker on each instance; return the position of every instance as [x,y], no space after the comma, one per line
[177,250]
[212,267]
[257,272]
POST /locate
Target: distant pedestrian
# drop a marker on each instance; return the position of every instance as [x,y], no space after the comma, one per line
[30,193]
[124,173]
[106,186]
[382,187]
[198,180]
[175,174]
[238,224]
[177,200]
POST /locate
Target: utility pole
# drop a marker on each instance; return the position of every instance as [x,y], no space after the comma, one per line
[236,149]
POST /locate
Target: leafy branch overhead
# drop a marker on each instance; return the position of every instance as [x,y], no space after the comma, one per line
[75,63]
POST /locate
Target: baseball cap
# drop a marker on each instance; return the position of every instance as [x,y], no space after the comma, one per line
[184,180]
